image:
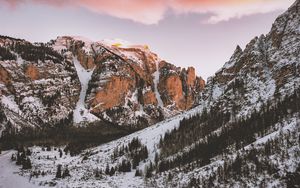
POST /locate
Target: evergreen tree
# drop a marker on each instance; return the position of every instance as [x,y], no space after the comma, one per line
[60,153]
[58,172]
[112,171]
[97,173]
[27,164]
[66,173]
[107,169]
[148,170]
[138,172]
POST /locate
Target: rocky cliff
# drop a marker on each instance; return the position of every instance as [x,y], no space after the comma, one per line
[129,84]
[268,68]
[74,80]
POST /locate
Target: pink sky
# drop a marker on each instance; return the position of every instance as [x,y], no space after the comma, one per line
[205,32]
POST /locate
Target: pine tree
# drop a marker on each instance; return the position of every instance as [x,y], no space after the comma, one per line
[60,153]
[97,173]
[156,159]
[66,173]
[107,169]
[28,152]
[112,171]
[137,172]
[148,170]
[27,164]
[58,172]
[19,159]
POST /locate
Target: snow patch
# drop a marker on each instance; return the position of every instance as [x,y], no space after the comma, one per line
[60,44]
[217,92]
[116,42]
[9,102]
[80,112]
[156,81]
[9,173]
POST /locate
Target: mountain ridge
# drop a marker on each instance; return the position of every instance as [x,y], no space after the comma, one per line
[244,132]
[124,81]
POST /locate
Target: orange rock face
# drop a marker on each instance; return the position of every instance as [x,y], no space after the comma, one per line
[178,86]
[200,83]
[4,76]
[32,72]
[150,98]
[112,95]
[174,88]
[191,76]
[125,83]
[85,60]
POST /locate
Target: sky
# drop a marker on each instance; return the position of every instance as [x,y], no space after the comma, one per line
[198,33]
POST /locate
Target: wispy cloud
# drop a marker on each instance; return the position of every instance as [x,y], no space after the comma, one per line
[152,11]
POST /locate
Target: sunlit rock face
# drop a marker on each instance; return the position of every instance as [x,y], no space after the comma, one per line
[126,85]
[131,85]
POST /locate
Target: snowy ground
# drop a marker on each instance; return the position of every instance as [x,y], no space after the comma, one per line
[82,170]
[9,102]
[9,176]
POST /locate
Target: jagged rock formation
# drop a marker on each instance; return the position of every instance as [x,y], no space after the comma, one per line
[130,85]
[36,82]
[247,119]
[124,85]
[267,68]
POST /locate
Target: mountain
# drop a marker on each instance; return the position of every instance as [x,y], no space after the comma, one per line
[244,132]
[71,80]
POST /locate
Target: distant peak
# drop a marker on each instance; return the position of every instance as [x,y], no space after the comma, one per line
[120,43]
[238,49]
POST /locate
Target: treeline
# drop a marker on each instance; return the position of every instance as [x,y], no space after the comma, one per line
[30,52]
[130,156]
[192,129]
[22,158]
[235,134]
[134,151]
[5,54]
[63,133]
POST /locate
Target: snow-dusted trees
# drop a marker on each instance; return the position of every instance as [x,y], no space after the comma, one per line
[135,151]
[60,173]
[66,173]
[235,135]
[138,172]
[22,158]
[5,54]
[98,173]
[27,164]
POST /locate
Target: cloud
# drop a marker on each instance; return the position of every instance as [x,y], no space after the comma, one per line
[224,10]
[152,11]
[144,11]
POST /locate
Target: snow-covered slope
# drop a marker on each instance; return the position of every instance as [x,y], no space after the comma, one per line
[80,112]
[82,170]
[262,78]
[9,173]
